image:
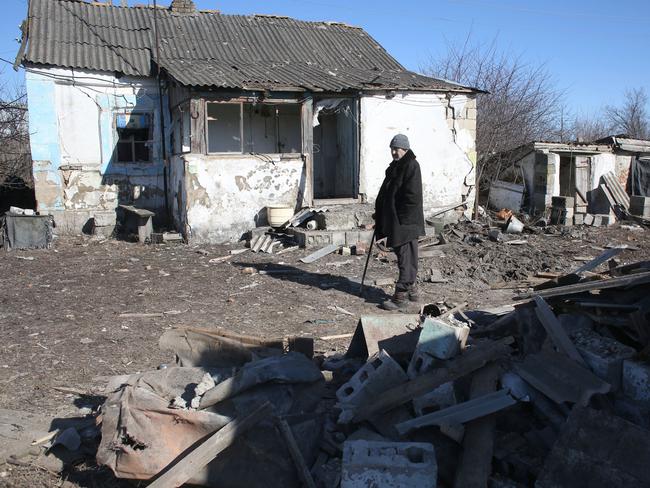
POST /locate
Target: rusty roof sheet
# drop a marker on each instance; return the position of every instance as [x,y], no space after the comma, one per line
[213,49]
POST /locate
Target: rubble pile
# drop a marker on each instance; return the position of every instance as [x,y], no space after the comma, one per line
[554,392]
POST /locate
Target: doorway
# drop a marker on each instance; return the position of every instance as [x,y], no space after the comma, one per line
[336,148]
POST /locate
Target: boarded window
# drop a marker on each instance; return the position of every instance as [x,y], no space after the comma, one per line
[254,128]
[134,142]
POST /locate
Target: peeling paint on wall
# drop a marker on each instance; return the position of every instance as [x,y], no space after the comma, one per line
[222,204]
[73,140]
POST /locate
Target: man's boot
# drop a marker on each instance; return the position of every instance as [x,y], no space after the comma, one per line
[414,295]
[399,301]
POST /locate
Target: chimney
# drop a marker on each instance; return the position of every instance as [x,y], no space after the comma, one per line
[183,7]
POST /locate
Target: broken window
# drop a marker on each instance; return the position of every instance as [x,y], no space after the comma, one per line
[134,132]
[254,128]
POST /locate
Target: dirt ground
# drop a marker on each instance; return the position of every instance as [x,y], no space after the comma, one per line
[60,308]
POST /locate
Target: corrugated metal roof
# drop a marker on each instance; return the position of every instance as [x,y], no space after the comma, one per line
[212,49]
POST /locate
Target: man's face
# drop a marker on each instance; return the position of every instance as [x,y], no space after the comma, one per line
[397,153]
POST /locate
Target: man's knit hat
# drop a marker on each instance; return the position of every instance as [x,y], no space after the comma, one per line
[400,141]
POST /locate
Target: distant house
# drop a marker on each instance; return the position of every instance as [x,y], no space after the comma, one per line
[574,170]
[207,118]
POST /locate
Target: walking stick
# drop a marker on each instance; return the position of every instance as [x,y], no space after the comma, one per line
[365,269]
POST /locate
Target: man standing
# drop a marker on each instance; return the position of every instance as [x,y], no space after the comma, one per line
[400,218]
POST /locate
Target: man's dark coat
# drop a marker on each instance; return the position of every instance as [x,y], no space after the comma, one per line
[398,210]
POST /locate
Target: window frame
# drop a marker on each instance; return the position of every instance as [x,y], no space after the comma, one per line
[272,103]
[150,142]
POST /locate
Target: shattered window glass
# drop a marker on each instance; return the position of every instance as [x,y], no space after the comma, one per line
[134,138]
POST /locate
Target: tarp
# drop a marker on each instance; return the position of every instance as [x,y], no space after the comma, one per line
[640,177]
[142,434]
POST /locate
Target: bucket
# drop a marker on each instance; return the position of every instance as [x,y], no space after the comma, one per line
[278,216]
[514,225]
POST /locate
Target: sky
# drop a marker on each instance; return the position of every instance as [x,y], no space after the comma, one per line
[594,49]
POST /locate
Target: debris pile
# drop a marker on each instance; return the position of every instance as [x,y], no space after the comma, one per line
[553,393]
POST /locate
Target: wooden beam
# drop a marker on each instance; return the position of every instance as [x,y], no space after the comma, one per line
[296,455]
[307,126]
[623,281]
[181,470]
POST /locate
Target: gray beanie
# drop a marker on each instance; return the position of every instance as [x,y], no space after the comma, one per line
[400,141]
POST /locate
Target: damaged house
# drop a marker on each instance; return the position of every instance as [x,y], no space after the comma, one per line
[578,177]
[207,119]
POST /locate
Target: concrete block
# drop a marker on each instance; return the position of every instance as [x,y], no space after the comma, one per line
[351,237]
[388,465]
[441,340]
[366,236]
[603,355]
[636,381]
[380,373]
[640,206]
[578,219]
[442,397]
[602,220]
[589,219]
[421,362]
[563,202]
[105,218]
[317,238]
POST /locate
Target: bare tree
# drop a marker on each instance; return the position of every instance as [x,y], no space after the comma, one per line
[632,117]
[15,158]
[587,128]
[522,103]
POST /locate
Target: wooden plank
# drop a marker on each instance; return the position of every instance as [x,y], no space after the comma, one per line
[197,127]
[296,455]
[475,464]
[180,471]
[450,370]
[623,281]
[307,117]
[556,332]
[329,249]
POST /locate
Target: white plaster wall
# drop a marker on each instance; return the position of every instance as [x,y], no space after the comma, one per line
[226,197]
[601,164]
[73,137]
[445,159]
[79,133]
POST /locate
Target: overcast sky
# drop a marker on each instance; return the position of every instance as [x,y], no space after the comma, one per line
[595,49]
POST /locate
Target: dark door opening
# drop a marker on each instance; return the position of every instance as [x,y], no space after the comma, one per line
[336,155]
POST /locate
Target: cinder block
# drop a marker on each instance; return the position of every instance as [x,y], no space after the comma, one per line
[602,220]
[442,397]
[578,219]
[563,202]
[366,236]
[636,381]
[604,355]
[589,219]
[380,373]
[441,340]
[421,362]
[388,465]
[105,218]
[317,238]
[640,206]
[351,237]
